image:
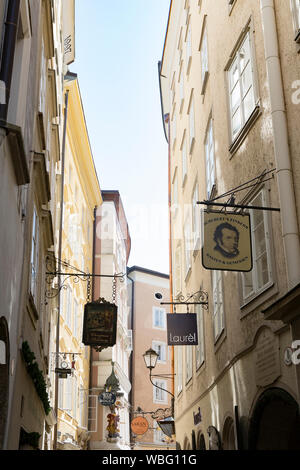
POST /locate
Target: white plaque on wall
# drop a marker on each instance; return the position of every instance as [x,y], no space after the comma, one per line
[267,360]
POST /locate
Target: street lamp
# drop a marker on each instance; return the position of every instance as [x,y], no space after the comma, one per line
[167,425]
[150,358]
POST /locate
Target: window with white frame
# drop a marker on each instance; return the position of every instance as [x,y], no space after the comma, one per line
[184,157]
[260,277]
[241,87]
[191,123]
[187,244]
[175,193]
[75,318]
[204,59]
[218,304]
[188,363]
[34,259]
[159,391]
[296,18]
[200,352]
[178,371]
[161,349]
[159,318]
[173,129]
[188,40]
[177,271]
[68,394]
[196,218]
[68,307]
[181,87]
[210,158]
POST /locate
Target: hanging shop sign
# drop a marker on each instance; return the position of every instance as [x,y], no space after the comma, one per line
[226,241]
[100,324]
[182,329]
[68,11]
[107,398]
[139,425]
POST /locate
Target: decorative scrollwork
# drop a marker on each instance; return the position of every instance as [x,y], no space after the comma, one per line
[198,298]
[55,269]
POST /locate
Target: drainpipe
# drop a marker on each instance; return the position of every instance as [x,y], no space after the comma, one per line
[290,232]
[8,52]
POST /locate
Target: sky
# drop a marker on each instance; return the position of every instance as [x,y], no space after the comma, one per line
[118,45]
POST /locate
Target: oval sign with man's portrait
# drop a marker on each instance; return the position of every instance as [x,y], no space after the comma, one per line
[226,241]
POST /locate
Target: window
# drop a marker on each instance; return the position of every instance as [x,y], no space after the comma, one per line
[159,395]
[188,363]
[210,158]
[175,193]
[184,158]
[43,82]
[296,18]
[34,261]
[68,307]
[177,271]
[204,60]
[173,130]
[181,88]
[200,345]
[159,317]
[191,124]
[161,350]
[196,218]
[241,87]
[187,244]
[75,321]
[260,277]
[218,306]
[188,47]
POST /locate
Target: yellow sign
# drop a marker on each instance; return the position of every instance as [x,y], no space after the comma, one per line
[227,241]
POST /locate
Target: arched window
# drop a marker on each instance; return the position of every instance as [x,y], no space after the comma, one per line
[229,435]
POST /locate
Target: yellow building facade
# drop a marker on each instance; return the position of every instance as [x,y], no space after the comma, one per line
[74,244]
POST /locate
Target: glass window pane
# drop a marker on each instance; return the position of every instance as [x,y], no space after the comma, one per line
[247,284]
[244,54]
[236,123]
[249,104]
[260,240]
[246,79]
[235,98]
[234,74]
[262,271]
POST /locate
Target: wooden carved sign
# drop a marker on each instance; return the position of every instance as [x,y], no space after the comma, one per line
[100,324]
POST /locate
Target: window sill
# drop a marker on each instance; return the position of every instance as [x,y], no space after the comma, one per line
[218,341]
[297,38]
[239,139]
[258,299]
[188,273]
[231,6]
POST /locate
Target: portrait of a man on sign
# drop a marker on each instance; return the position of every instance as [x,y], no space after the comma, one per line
[226,241]
[227,237]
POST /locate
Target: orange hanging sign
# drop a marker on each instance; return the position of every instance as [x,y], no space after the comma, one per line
[139,425]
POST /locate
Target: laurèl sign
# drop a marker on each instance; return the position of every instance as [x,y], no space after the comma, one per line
[182,329]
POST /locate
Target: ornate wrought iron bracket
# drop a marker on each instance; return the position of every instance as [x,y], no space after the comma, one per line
[160,413]
[55,269]
[198,298]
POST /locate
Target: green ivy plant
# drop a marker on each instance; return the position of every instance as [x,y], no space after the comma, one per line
[30,439]
[36,375]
